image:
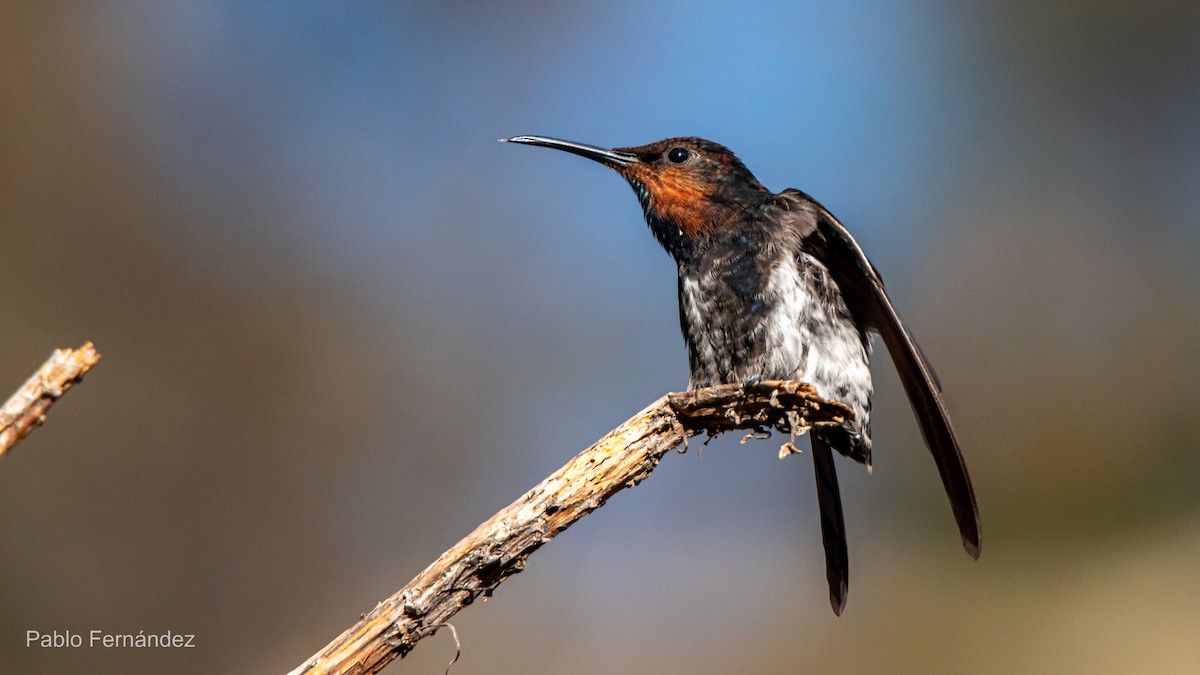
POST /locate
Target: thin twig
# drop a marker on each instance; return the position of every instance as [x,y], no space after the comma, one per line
[457,647]
[499,547]
[26,409]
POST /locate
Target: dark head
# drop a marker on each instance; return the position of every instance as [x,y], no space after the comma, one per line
[689,187]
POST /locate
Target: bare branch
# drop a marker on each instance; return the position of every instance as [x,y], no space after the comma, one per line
[499,547]
[26,409]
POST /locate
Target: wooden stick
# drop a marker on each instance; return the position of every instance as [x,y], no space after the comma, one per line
[499,547]
[26,409]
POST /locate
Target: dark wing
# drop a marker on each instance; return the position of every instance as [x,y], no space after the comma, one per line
[862,289]
[833,526]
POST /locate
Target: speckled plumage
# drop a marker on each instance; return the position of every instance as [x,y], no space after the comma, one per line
[753,311]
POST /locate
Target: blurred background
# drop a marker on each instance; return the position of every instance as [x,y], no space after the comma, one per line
[342,325]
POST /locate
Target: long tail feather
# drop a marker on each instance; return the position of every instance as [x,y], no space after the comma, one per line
[833,526]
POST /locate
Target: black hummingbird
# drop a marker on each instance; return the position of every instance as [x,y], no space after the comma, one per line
[773,287]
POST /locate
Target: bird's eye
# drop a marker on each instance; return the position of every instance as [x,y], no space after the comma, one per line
[678,155]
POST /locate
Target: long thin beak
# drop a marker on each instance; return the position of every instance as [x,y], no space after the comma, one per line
[611,158]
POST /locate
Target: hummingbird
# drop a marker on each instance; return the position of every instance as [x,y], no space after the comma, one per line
[773,287]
